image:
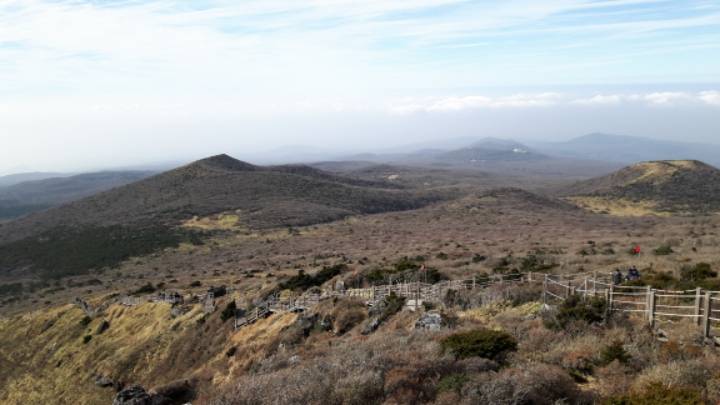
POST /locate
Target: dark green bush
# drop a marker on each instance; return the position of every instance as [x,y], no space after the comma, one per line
[698,272]
[86,339]
[452,383]
[486,343]
[146,289]
[66,251]
[392,304]
[574,309]
[229,311]
[85,321]
[303,281]
[664,250]
[442,256]
[612,352]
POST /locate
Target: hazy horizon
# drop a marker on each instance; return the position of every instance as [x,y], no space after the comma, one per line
[87,85]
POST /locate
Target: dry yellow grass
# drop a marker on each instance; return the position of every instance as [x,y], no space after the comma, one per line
[618,206]
[60,363]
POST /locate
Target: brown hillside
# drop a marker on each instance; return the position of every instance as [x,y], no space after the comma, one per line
[678,186]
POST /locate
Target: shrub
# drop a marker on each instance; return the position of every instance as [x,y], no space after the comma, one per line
[85,321]
[86,339]
[442,256]
[392,304]
[453,382]
[698,272]
[231,351]
[229,311]
[658,394]
[486,343]
[612,352]
[146,289]
[575,309]
[664,250]
[195,283]
[536,384]
[303,281]
[477,258]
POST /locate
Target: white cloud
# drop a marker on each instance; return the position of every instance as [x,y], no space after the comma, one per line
[710,97]
[458,103]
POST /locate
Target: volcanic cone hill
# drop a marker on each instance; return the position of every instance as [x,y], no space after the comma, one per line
[147,213]
[658,187]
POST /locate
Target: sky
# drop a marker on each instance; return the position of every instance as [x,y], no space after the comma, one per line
[105,83]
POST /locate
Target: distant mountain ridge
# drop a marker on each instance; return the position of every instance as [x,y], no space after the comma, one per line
[30,196]
[628,149]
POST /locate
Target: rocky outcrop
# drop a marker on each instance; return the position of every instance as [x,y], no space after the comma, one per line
[432,321]
[135,395]
[175,393]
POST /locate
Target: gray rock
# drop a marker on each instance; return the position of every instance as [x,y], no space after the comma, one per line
[103,381]
[432,321]
[135,395]
[371,326]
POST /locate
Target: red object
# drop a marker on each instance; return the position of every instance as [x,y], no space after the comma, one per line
[636,250]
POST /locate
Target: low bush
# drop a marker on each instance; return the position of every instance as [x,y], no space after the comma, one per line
[574,309]
[485,343]
[536,384]
[146,289]
[229,311]
[664,250]
[452,383]
[612,352]
[86,339]
[698,272]
[303,281]
[658,394]
[85,321]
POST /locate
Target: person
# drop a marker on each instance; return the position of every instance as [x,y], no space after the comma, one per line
[617,277]
[633,273]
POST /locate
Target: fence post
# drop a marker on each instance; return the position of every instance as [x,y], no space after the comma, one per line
[698,300]
[569,290]
[609,298]
[544,294]
[594,293]
[651,307]
[529,278]
[585,288]
[707,313]
[473,284]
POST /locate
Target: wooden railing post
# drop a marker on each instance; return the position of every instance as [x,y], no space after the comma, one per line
[545,286]
[698,301]
[529,277]
[473,283]
[609,298]
[585,288]
[570,289]
[594,290]
[651,307]
[707,313]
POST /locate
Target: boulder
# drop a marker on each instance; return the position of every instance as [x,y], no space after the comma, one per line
[371,326]
[135,395]
[103,381]
[432,321]
[175,393]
